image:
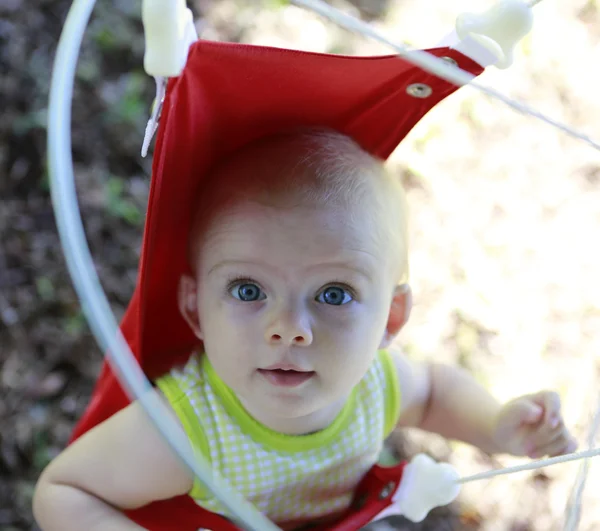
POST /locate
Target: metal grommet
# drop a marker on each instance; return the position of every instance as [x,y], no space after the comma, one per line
[449,60]
[387,490]
[419,90]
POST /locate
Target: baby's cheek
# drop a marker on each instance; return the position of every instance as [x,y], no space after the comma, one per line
[357,319]
[344,317]
[348,340]
[359,342]
[224,326]
[347,362]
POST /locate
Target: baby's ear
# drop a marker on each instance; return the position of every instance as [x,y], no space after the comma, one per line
[187,297]
[399,314]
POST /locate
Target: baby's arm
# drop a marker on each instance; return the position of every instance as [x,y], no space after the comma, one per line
[448,401]
[121,464]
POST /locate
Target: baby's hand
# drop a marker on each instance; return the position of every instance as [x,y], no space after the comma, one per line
[532,425]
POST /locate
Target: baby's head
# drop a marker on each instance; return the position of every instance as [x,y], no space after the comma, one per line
[299,256]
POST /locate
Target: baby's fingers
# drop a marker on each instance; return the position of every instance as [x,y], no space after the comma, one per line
[550,401]
[563,444]
[543,435]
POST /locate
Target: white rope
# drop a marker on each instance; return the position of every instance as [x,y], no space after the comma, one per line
[533,465]
[574,507]
[436,66]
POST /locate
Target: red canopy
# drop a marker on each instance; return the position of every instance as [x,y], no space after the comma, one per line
[227,96]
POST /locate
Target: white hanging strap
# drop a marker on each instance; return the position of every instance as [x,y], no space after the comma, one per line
[534,465]
[169,32]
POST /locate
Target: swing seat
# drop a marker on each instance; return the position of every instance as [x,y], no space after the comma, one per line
[227,96]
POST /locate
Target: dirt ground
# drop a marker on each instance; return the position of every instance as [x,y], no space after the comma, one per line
[505,224]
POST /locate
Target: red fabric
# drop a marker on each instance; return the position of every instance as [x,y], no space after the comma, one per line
[229,95]
[373,495]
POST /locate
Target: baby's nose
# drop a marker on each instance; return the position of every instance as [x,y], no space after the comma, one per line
[290,329]
[297,340]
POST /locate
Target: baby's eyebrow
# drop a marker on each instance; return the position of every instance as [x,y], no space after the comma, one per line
[225,263]
[365,272]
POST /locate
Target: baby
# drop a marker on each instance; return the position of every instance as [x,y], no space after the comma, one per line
[299,286]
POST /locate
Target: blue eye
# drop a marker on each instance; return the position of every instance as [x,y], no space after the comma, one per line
[247,292]
[335,296]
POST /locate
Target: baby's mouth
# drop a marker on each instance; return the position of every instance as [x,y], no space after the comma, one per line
[286,377]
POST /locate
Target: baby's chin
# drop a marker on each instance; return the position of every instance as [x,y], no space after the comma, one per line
[287,406]
[295,414]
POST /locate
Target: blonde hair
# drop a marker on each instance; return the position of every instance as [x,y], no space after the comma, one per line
[316,167]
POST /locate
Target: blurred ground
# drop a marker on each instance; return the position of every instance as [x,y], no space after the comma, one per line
[505,225]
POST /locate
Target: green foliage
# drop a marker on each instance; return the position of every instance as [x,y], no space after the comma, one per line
[113,25]
[41,450]
[88,70]
[45,288]
[106,39]
[32,120]
[118,206]
[467,340]
[45,178]
[276,4]
[75,325]
[132,107]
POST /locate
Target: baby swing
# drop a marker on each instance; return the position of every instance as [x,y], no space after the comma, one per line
[212,99]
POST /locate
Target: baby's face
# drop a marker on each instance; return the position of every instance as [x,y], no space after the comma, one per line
[292,305]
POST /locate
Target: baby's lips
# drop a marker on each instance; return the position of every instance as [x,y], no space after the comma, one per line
[286,378]
[284,367]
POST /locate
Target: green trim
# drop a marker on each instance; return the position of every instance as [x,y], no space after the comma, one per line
[392,397]
[262,434]
[191,425]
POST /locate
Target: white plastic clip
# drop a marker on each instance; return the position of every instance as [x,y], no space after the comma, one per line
[169,31]
[499,29]
[157,106]
[425,484]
